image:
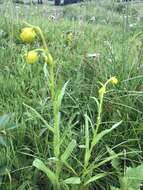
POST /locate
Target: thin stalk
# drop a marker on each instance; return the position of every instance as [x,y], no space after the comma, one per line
[97,125]
[98,122]
[38,29]
[56,138]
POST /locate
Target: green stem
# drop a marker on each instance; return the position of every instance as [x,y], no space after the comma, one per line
[96,130]
[39,31]
[99,115]
[56,138]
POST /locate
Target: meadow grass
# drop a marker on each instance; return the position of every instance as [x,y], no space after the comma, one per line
[107,30]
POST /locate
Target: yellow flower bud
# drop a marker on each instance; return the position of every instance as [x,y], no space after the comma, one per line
[32,57]
[49,59]
[28,35]
[102,90]
[114,80]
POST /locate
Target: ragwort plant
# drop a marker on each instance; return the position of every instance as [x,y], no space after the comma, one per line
[90,166]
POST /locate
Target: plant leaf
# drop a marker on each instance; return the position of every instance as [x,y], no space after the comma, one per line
[40,117]
[61,94]
[95,178]
[116,161]
[105,132]
[133,178]
[72,180]
[41,166]
[70,168]
[87,153]
[68,151]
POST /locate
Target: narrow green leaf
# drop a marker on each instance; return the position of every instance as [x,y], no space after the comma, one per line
[105,132]
[40,117]
[72,180]
[95,178]
[61,94]
[70,168]
[94,166]
[41,166]
[87,153]
[96,100]
[115,162]
[68,151]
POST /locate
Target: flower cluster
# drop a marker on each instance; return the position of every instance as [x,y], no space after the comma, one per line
[29,35]
[112,80]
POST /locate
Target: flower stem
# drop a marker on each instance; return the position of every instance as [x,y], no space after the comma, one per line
[56,138]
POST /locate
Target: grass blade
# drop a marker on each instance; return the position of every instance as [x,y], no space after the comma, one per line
[68,151]
[105,132]
[40,117]
[72,180]
[95,178]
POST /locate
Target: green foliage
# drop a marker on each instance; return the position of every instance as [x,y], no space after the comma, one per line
[132,179]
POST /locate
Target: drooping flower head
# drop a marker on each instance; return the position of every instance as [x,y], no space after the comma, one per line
[114,80]
[32,57]
[28,35]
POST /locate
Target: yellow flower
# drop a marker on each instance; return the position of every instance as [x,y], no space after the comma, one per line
[49,59]
[32,57]
[114,80]
[28,35]
[102,90]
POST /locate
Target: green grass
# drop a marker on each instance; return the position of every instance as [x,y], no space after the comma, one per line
[111,34]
